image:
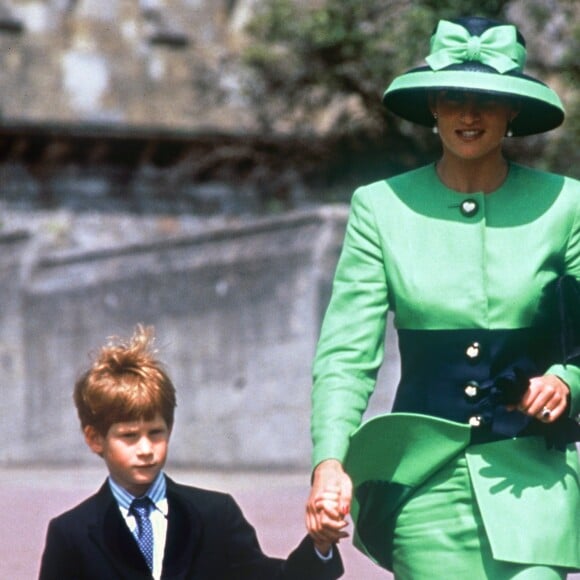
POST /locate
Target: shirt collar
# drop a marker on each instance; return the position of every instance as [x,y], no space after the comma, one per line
[156,493]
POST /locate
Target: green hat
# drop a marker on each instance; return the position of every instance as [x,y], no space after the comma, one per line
[389,456]
[482,56]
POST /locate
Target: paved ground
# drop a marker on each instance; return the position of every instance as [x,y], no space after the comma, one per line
[273,503]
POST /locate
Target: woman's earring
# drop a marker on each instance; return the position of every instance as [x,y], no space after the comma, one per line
[509,132]
[435,129]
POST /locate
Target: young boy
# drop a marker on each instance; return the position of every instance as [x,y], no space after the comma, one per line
[141,524]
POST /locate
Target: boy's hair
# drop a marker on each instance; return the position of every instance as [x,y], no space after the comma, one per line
[125,383]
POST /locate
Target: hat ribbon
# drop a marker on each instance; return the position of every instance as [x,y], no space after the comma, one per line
[497,47]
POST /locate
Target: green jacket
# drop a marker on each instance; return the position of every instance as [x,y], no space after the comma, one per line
[445,262]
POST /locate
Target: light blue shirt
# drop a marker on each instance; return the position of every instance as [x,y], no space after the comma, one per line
[158,516]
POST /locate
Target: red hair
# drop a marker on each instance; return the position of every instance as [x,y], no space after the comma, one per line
[125,383]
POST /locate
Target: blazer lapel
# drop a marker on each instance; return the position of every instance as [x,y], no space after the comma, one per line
[111,534]
[184,533]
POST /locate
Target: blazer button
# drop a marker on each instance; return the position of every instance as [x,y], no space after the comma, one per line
[475,421]
[469,207]
[473,350]
[471,390]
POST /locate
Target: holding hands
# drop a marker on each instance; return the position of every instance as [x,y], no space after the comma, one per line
[328,505]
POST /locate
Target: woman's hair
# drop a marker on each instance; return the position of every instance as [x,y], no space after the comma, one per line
[125,383]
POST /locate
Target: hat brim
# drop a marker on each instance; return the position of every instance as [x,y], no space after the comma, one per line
[540,108]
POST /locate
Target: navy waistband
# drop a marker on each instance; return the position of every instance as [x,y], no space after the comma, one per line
[471,375]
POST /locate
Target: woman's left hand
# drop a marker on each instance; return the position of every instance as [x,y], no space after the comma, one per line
[546,398]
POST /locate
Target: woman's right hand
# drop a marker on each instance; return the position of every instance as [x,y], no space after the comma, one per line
[328,504]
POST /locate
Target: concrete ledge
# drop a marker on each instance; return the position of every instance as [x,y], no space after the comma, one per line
[237,312]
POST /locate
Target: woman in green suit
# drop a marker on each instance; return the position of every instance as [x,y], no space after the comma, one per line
[474,473]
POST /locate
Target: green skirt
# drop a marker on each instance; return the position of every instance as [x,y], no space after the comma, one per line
[428,504]
[439,533]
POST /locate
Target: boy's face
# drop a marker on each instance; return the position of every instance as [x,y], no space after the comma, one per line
[134,451]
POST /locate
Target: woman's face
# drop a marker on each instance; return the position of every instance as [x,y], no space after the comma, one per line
[471,125]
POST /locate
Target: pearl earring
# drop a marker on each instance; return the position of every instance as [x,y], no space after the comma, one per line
[509,132]
[435,129]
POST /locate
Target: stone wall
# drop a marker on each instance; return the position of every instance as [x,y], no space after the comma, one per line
[139,63]
[138,106]
[12,391]
[237,312]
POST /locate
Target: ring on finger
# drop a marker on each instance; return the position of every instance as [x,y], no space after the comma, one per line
[546,413]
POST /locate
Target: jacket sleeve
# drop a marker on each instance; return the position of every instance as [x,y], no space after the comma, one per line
[351,346]
[248,562]
[570,373]
[58,561]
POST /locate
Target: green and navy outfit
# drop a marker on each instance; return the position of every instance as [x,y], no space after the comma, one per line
[467,277]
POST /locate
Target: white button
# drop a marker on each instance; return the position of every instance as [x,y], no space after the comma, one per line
[473,350]
[469,207]
[475,421]
[471,391]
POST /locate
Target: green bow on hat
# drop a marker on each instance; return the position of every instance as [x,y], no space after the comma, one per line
[497,47]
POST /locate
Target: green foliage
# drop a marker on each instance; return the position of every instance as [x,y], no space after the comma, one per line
[334,58]
[309,56]
[564,154]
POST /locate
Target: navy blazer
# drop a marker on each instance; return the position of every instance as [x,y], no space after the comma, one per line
[208,538]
